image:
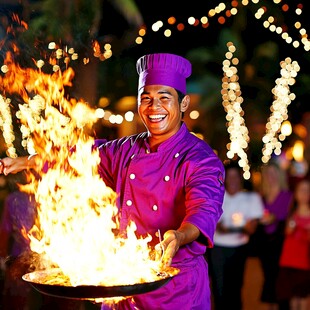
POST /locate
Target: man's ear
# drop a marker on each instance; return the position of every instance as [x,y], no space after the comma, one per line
[185,103]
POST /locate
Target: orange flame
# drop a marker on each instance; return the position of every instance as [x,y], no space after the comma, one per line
[77,216]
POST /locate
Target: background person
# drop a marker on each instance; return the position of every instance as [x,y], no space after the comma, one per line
[17,218]
[242,210]
[18,214]
[293,283]
[277,201]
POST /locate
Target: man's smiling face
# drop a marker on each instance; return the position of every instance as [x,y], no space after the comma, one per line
[160,110]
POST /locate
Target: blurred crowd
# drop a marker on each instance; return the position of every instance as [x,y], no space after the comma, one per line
[268,218]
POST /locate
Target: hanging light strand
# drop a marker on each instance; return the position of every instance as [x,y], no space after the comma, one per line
[6,126]
[282,98]
[232,100]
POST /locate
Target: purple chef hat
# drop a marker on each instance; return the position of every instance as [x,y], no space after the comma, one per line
[164,69]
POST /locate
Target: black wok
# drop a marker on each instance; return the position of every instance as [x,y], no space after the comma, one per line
[93,291]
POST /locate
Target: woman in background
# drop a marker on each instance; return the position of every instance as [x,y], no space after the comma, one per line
[277,199]
[242,210]
[293,285]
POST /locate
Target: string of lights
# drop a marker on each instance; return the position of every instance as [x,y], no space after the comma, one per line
[6,126]
[223,11]
[283,97]
[232,100]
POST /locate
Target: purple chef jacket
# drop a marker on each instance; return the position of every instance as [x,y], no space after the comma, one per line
[180,183]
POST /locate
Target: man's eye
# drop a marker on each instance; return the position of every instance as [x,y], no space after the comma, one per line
[145,100]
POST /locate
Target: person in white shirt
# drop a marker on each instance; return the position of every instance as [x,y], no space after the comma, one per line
[242,210]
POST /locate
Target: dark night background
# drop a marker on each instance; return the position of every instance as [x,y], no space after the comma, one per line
[259,52]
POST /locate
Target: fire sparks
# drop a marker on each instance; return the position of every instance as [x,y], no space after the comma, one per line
[102,55]
[76,224]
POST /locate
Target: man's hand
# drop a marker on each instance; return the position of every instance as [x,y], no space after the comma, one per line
[13,165]
[170,244]
[174,239]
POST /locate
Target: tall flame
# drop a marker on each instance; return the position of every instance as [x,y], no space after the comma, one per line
[76,220]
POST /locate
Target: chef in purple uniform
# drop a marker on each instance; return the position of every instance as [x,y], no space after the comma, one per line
[167,180]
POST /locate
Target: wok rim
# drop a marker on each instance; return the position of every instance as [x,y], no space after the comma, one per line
[94,291]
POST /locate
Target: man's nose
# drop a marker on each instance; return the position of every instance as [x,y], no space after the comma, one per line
[155,103]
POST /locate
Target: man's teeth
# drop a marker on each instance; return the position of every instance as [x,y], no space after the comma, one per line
[159,116]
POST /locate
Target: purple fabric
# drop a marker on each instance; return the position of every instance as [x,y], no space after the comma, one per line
[181,182]
[190,290]
[18,213]
[163,69]
[280,208]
